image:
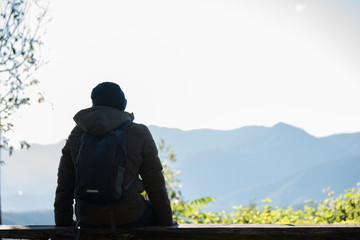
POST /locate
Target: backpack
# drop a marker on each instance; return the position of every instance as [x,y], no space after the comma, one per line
[99,172]
[100,167]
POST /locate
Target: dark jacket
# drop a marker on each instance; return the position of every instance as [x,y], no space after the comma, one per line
[142,158]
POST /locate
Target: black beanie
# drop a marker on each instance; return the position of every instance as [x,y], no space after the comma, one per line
[108,94]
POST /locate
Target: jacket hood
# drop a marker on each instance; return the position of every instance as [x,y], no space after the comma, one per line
[100,120]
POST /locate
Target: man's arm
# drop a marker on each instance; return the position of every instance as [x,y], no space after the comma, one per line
[154,182]
[64,197]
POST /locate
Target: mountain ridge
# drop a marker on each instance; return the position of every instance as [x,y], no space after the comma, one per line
[245,163]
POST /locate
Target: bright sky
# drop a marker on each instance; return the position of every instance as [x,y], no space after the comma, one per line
[189,64]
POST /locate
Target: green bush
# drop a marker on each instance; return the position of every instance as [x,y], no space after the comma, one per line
[345,209]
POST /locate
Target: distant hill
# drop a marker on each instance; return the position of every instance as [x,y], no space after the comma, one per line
[251,163]
[305,184]
[237,166]
[29,178]
[45,217]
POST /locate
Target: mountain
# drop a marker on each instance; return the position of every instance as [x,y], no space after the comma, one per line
[29,178]
[45,217]
[250,163]
[305,184]
[235,167]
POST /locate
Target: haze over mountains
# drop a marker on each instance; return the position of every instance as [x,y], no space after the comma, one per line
[282,162]
[235,167]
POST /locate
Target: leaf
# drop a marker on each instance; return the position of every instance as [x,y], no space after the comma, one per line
[24,144]
[11,150]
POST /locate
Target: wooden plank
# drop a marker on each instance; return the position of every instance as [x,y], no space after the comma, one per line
[36,232]
[192,231]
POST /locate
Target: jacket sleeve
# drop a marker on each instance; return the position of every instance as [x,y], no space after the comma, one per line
[64,196]
[154,182]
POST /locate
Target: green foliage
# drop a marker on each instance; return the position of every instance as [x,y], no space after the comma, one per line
[344,209]
[184,211]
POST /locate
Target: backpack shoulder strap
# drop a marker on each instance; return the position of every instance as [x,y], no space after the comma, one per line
[123,127]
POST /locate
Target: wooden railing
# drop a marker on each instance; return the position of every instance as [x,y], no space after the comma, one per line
[192,231]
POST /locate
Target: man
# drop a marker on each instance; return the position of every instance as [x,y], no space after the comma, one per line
[107,114]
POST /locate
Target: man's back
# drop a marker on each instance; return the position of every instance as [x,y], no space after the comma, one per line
[142,158]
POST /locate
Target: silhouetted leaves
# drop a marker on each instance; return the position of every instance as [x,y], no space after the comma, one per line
[20,41]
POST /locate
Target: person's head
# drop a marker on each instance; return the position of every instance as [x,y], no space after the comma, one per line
[108,94]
